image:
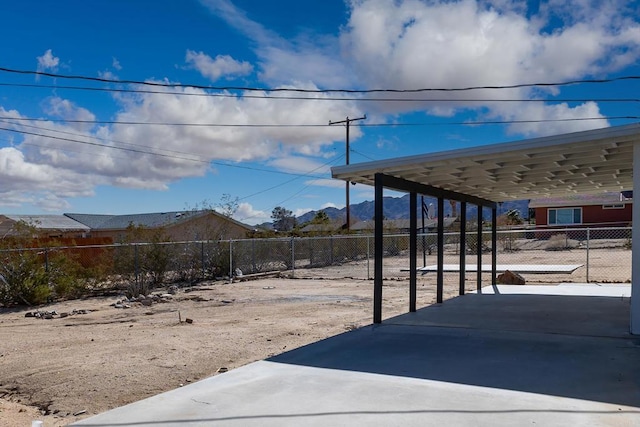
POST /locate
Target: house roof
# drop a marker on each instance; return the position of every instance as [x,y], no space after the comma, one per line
[588,162]
[147,220]
[318,228]
[50,222]
[606,198]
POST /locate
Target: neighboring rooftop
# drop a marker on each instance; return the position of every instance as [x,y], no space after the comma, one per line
[49,222]
[609,197]
[119,222]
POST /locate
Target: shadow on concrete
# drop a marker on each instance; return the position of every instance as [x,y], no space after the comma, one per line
[570,346]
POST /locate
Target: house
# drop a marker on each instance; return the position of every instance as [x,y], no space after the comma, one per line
[607,209]
[319,229]
[175,226]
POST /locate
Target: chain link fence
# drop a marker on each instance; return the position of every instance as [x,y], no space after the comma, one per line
[602,254]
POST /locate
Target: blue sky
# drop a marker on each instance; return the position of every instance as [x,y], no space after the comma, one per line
[118,148]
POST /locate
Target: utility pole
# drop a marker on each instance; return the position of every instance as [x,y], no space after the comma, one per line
[347,122]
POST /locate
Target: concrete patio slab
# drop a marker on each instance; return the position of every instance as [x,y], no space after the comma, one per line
[543,355]
[501,268]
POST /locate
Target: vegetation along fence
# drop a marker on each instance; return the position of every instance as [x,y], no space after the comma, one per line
[35,275]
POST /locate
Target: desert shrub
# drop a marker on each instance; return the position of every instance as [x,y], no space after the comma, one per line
[508,242]
[23,279]
[188,263]
[67,278]
[216,256]
[154,262]
[395,245]
[558,242]
[472,244]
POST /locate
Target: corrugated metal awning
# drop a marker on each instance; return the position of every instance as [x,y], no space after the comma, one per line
[588,162]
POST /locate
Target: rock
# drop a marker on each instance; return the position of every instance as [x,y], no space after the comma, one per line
[188,320]
[29,314]
[146,301]
[63,315]
[510,278]
[173,289]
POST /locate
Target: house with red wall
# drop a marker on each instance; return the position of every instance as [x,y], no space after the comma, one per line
[610,209]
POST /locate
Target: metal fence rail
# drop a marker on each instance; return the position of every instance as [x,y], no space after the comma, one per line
[603,253]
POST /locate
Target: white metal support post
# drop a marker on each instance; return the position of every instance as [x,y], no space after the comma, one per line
[635,246]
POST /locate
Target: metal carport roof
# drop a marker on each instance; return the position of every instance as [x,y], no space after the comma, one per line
[586,162]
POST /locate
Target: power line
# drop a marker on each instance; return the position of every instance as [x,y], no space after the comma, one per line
[301,90]
[315,125]
[324,98]
[91,137]
[308,174]
[113,147]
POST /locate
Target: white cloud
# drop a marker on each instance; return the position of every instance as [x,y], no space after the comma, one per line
[547,113]
[329,183]
[108,75]
[331,205]
[221,66]
[247,214]
[48,62]
[68,110]
[25,179]
[408,44]
[116,64]
[308,58]
[303,165]
[440,44]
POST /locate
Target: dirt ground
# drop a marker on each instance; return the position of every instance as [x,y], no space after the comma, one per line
[100,357]
[64,369]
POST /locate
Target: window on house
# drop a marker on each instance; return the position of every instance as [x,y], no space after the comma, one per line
[565,216]
[615,206]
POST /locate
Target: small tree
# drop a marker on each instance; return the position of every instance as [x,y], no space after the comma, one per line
[283,219]
[321,217]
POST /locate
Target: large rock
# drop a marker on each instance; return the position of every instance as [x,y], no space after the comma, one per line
[510,278]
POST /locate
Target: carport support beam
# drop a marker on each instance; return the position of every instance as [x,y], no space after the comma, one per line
[463,245]
[440,274]
[494,244]
[413,250]
[479,251]
[377,250]
[635,247]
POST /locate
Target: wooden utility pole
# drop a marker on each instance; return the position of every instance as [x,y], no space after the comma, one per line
[347,122]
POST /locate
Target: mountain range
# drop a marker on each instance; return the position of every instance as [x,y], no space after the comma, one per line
[398,208]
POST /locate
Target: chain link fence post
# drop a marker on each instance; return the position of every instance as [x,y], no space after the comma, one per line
[368,258]
[135,265]
[202,263]
[254,268]
[588,243]
[230,259]
[293,258]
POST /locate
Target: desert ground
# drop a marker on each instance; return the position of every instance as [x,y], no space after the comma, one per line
[93,356]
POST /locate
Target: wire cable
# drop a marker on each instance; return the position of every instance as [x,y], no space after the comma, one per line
[316,125]
[157,154]
[301,90]
[324,98]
